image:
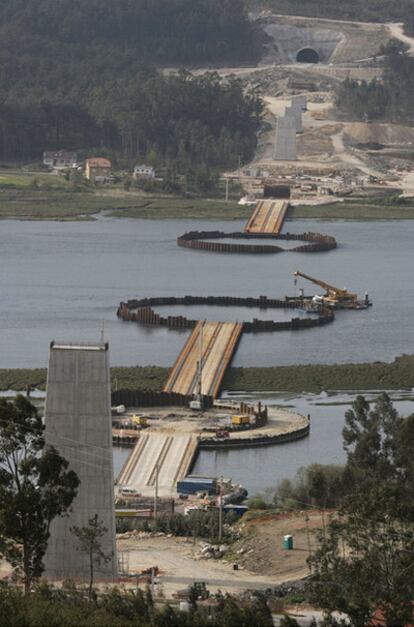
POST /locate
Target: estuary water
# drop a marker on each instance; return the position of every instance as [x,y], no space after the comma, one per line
[263,468]
[259,469]
[60,280]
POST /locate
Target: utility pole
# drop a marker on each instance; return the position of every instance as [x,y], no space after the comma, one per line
[156,491]
[227,188]
[220,532]
[201,357]
[200,363]
[152,581]
[308,535]
[239,166]
[196,525]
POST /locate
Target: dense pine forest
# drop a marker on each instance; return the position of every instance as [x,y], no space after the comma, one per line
[179,121]
[161,32]
[391,99]
[82,74]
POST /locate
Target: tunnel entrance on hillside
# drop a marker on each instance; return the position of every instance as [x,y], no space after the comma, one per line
[307,55]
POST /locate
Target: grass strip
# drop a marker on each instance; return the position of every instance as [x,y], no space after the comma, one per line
[162,208]
[131,378]
[397,375]
[26,203]
[357,209]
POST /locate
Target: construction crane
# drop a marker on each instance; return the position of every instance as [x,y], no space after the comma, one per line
[334,296]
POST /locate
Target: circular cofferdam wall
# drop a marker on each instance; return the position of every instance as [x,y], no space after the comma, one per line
[307,242]
[307,55]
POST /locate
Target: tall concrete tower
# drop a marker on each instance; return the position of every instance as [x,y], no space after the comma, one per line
[285,144]
[78,425]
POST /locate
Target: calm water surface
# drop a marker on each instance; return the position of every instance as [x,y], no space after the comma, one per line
[60,280]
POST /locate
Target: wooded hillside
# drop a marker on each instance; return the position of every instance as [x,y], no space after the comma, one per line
[166,32]
[391,99]
[81,74]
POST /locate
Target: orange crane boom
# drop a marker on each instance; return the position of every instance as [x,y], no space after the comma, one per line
[334,296]
[331,290]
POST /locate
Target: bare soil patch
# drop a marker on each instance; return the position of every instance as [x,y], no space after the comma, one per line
[385,134]
[260,550]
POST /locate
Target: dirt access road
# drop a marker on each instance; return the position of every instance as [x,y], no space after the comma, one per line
[177,560]
[397,31]
[349,159]
[328,135]
[262,560]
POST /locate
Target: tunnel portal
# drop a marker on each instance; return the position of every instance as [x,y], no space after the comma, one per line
[307,55]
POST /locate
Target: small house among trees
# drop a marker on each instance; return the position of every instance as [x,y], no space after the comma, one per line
[60,160]
[144,172]
[98,169]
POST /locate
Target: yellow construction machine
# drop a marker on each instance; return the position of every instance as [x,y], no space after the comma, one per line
[335,297]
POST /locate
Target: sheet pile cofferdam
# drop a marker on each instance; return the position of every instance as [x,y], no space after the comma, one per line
[141,311]
[265,222]
[210,241]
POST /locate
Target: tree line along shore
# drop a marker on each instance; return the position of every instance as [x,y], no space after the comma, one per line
[397,375]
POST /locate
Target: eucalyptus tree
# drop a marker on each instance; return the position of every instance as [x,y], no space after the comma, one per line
[364,562]
[35,487]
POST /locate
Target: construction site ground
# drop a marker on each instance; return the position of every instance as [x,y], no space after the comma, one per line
[329,142]
[184,420]
[382,151]
[260,549]
[262,561]
[165,452]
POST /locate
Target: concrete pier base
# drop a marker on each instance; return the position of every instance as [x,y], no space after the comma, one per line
[285,144]
[296,113]
[300,102]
